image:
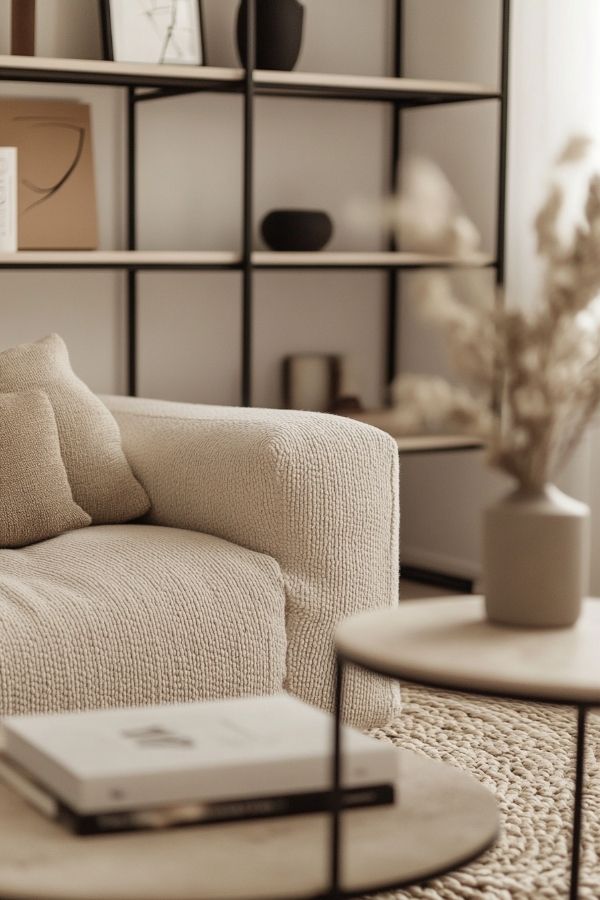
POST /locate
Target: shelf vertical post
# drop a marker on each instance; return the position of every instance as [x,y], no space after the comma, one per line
[502,183]
[503,142]
[248,204]
[131,243]
[392,277]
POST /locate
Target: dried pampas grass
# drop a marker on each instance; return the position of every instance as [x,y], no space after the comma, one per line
[532,377]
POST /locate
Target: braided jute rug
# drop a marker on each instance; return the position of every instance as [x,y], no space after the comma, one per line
[525,754]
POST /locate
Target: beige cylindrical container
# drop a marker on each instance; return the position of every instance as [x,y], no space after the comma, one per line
[310,381]
[536,558]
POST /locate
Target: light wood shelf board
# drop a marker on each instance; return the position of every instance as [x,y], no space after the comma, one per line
[274,259]
[115,258]
[393,86]
[418,443]
[32,66]
[437,443]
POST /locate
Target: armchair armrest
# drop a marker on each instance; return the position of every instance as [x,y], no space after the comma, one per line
[318,493]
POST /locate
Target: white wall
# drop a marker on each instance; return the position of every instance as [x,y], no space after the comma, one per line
[555,54]
[555,70]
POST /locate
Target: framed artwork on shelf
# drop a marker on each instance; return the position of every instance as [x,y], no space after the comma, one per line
[56,193]
[153,31]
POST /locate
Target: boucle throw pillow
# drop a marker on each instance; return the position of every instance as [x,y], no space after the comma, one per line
[35,498]
[90,442]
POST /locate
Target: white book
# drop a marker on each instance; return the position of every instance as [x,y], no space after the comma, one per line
[8,200]
[123,759]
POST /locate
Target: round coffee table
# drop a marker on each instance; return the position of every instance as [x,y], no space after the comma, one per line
[449,644]
[442,819]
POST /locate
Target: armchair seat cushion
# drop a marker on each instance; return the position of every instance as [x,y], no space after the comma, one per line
[118,615]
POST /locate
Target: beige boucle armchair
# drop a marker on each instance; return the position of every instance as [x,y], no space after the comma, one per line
[266,529]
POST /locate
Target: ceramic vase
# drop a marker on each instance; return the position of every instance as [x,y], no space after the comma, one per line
[535,558]
[278,33]
[23,28]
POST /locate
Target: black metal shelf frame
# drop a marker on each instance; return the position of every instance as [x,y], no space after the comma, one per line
[407,98]
[141,87]
[89,262]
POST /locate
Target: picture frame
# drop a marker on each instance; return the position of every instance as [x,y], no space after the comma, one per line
[160,32]
[56,193]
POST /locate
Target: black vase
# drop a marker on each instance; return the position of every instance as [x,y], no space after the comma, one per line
[23,28]
[296,229]
[278,33]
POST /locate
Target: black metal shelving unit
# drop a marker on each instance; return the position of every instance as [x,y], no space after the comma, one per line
[149,83]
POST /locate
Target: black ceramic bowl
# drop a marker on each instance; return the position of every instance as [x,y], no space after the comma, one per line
[296,229]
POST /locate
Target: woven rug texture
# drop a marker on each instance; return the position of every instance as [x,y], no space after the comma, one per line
[525,754]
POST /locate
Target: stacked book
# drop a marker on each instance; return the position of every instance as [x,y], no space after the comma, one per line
[189,764]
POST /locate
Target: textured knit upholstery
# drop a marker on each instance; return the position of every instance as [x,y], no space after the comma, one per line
[318,494]
[280,524]
[36,499]
[120,615]
[100,478]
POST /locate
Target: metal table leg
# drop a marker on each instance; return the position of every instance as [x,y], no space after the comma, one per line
[578,802]
[336,800]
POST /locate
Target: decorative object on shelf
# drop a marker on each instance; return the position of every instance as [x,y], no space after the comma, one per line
[8,200]
[311,381]
[347,399]
[279,26]
[147,31]
[427,216]
[532,386]
[56,195]
[297,229]
[23,28]
[347,405]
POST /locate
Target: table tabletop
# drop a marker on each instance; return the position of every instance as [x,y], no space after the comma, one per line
[449,643]
[442,818]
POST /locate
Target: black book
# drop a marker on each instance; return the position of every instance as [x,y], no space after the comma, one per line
[187,814]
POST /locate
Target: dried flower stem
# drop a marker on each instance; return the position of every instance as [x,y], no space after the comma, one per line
[542,366]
